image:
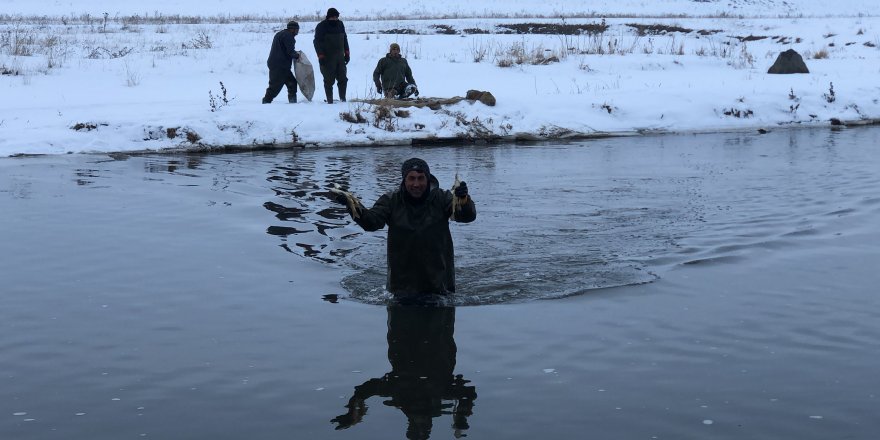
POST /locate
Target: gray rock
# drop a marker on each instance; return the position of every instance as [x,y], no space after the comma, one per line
[488,98]
[789,62]
[473,95]
[479,95]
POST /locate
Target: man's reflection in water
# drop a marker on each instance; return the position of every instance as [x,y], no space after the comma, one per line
[421,349]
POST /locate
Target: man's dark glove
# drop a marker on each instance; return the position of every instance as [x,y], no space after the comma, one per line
[321,59]
[347,58]
[462,190]
[379,88]
[341,199]
[296,56]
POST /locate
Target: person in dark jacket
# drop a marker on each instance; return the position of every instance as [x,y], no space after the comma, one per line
[420,253]
[394,76]
[281,57]
[331,45]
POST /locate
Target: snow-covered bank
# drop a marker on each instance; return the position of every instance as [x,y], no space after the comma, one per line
[416,9]
[118,85]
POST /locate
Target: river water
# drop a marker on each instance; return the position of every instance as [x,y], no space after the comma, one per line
[698,286]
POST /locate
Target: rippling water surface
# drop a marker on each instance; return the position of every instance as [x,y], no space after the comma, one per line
[712,286]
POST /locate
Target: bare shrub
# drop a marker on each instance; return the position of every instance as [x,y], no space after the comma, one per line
[820,54]
[192,137]
[18,41]
[517,54]
[219,101]
[132,76]
[830,96]
[648,47]
[200,41]
[479,50]
[353,117]
[504,62]
[9,70]
[737,113]
[356,113]
[474,129]
[743,59]
[384,118]
[582,65]
[102,52]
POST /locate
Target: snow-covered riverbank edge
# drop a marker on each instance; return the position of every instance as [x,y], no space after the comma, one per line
[513,139]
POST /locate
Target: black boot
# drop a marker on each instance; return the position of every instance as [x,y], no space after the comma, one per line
[266,100]
[342,88]
[328,90]
[291,99]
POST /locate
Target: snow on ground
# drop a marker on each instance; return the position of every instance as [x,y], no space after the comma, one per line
[77,83]
[360,10]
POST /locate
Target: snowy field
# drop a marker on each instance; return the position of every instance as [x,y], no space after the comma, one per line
[110,76]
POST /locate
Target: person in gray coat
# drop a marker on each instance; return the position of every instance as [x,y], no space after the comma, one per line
[281,58]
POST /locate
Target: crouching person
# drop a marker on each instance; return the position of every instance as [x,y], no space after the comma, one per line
[393,76]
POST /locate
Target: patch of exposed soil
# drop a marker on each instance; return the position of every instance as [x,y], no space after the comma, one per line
[398,31]
[751,38]
[88,126]
[517,28]
[554,29]
[657,29]
[444,29]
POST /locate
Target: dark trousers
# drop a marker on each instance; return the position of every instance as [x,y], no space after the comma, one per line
[333,69]
[278,79]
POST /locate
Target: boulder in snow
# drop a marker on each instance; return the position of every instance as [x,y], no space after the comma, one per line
[789,62]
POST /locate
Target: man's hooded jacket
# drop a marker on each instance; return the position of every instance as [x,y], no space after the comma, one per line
[420,252]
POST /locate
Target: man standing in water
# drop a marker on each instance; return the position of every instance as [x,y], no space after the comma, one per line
[331,45]
[420,254]
[281,56]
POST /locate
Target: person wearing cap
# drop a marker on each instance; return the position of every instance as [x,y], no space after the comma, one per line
[420,255]
[331,46]
[281,57]
[394,76]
